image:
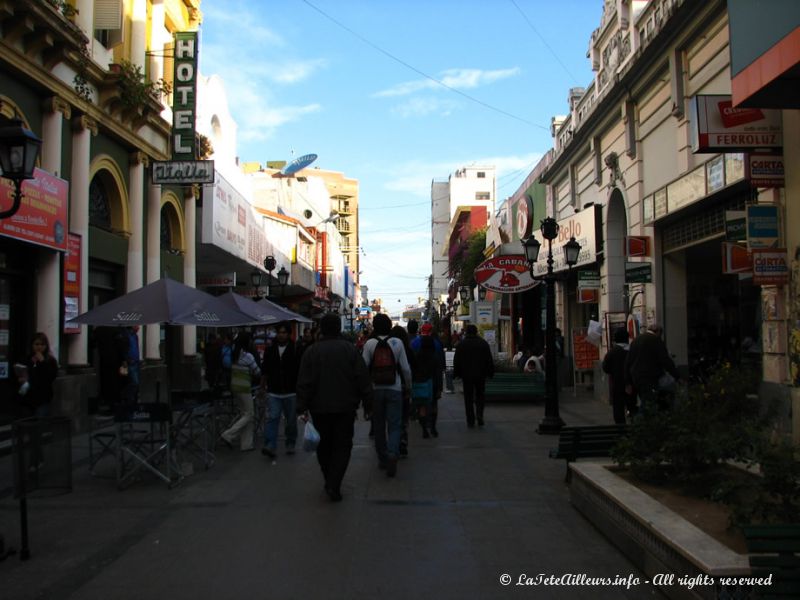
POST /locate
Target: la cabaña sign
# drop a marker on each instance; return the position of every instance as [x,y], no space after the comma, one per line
[505,274]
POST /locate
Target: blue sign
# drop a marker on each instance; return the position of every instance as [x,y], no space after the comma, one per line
[762,226]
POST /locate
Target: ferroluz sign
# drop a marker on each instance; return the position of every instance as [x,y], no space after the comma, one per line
[505,274]
[716,126]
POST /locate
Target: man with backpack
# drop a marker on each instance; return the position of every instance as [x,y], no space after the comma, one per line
[390,372]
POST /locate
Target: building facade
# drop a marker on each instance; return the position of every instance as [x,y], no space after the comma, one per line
[71,71]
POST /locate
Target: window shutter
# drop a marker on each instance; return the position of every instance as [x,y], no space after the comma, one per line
[108,14]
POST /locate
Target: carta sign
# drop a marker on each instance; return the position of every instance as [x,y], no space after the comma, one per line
[184,96]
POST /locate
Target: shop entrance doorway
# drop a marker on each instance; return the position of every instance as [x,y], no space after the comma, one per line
[723,311]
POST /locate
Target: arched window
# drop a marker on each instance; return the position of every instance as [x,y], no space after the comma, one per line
[99,207]
[166,229]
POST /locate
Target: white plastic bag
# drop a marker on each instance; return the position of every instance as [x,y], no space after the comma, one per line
[594,335]
[310,437]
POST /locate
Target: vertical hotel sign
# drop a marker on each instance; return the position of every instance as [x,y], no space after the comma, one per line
[184,96]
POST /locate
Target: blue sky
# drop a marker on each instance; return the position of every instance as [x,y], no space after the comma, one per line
[353,86]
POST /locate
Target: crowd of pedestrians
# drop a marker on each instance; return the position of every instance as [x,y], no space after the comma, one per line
[395,375]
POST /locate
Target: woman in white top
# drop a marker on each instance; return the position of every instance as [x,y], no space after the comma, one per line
[243,372]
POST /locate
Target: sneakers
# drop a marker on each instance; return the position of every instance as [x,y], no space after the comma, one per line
[268,452]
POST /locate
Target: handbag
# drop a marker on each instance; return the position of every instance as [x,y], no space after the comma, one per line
[310,437]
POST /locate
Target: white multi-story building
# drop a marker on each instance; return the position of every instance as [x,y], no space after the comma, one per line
[469,187]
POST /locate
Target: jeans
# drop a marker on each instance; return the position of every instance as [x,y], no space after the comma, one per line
[277,406]
[387,421]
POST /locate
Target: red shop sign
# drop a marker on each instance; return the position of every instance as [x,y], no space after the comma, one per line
[42,215]
[505,274]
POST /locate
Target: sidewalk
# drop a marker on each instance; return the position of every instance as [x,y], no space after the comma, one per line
[463,510]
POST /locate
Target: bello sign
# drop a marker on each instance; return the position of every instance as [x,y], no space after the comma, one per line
[505,274]
[184,96]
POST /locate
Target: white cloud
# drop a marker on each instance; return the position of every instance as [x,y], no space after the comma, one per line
[295,70]
[260,122]
[420,107]
[455,78]
[245,25]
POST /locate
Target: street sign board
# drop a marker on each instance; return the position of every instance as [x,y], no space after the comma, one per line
[735,225]
[182,172]
[762,226]
[638,272]
[770,266]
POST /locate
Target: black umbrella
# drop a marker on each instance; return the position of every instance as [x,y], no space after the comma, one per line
[164,301]
[283,314]
[260,314]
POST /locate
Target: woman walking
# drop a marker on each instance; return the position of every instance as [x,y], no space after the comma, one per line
[243,372]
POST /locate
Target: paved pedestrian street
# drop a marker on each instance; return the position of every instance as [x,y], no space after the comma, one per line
[464,511]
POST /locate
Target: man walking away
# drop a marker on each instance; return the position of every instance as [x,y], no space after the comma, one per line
[331,383]
[473,363]
[389,370]
[614,366]
[648,359]
[279,377]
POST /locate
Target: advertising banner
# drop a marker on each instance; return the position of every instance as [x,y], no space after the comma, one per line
[762,226]
[765,170]
[770,267]
[72,282]
[42,215]
[505,274]
[583,226]
[716,126]
[735,259]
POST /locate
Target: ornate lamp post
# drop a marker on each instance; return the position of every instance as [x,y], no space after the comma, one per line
[551,423]
[269,266]
[481,293]
[255,280]
[464,293]
[351,315]
[283,278]
[19,148]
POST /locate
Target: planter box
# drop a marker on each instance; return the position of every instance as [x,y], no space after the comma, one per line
[657,540]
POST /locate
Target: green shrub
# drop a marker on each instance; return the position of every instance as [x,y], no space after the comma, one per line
[708,426]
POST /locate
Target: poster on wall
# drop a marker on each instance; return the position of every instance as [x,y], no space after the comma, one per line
[614,321]
[584,352]
[72,282]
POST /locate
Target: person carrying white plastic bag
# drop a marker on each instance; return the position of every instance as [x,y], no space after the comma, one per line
[310,437]
[332,381]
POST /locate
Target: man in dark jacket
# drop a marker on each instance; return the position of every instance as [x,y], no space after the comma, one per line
[332,382]
[473,363]
[648,359]
[614,366]
[279,377]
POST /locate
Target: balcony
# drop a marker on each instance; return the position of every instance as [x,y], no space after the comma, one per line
[42,32]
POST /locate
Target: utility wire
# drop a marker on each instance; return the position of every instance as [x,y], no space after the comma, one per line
[422,73]
[536,31]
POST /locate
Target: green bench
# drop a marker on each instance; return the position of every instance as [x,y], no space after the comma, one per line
[588,441]
[515,386]
[774,551]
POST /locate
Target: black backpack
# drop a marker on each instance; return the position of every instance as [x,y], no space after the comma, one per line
[383,367]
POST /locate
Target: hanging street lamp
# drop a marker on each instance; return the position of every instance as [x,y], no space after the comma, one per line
[19,149]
